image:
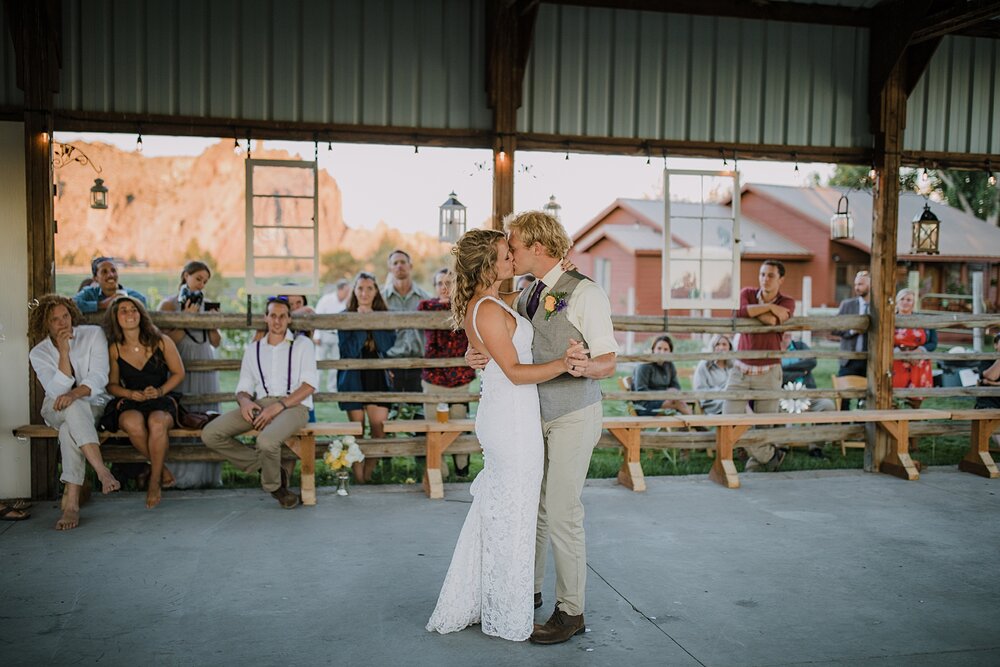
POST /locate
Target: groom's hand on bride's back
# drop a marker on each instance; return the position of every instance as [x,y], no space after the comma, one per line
[476,359]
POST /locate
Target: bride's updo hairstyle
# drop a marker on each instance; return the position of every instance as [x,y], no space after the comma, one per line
[475,268]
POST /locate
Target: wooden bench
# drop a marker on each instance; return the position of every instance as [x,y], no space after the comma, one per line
[978,460]
[302,444]
[729,429]
[440,436]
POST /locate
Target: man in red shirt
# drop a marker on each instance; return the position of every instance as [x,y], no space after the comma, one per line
[769,306]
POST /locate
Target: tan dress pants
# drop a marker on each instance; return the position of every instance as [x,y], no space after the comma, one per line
[738,380]
[569,442]
[266,456]
[76,429]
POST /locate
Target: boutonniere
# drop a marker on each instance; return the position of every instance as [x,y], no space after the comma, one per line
[555,302]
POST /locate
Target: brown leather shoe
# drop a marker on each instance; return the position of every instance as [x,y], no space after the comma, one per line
[559,628]
[538,600]
[285,498]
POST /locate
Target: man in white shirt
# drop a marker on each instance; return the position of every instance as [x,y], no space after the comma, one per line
[71,363]
[277,379]
[329,345]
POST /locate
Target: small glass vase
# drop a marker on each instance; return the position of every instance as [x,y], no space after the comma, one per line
[343,482]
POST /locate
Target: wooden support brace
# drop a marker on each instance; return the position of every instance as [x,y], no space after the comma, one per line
[978,459]
[898,462]
[724,470]
[437,443]
[304,447]
[631,474]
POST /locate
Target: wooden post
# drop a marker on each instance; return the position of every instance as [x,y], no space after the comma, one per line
[509,30]
[35,29]
[885,212]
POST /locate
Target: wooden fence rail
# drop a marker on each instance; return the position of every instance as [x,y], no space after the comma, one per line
[635,323]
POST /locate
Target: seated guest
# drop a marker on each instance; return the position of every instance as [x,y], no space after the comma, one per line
[100,295]
[300,306]
[442,344]
[277,379]
[145,370]
[658,376]
[365,344]
[711,374]
[195,345]
[911,373]
[70,361]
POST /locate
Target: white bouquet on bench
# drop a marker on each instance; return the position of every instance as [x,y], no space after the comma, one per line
[794,406]
[340,455]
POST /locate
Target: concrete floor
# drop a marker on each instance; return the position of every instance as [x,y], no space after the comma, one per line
[835,568]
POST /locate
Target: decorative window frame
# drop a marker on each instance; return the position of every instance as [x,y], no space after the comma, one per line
[252,284]
[700,302]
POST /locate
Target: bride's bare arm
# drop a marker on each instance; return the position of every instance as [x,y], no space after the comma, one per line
[492,323]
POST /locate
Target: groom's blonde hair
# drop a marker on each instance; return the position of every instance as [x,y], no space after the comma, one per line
[536,227]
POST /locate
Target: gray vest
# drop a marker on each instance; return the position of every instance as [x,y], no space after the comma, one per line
[564,394]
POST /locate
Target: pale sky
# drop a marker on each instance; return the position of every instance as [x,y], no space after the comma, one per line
[405,189]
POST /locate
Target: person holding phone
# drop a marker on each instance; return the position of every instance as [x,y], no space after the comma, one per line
[195,345]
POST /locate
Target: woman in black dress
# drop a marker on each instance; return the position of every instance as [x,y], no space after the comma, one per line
[145,368]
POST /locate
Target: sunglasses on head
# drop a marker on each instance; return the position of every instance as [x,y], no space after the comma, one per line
[279,299]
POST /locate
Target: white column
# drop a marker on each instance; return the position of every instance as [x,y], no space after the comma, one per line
[15,457]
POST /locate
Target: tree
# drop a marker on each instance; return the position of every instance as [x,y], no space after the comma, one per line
[968,191]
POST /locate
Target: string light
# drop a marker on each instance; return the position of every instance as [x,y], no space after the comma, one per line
[138,142]
[416,149]
[924,177]
[248,145]
[991,180]
[329,145]
[567,155]
[872,173]
[795,158]
[237,149]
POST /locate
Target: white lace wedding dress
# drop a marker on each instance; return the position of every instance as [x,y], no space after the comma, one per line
[491,577]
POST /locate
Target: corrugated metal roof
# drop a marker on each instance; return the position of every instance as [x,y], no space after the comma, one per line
[962,235]
[956,105]
[756,238]
[624,73]
[409,63]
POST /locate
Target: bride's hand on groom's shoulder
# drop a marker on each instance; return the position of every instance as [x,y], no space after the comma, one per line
[476,359]
[567,265]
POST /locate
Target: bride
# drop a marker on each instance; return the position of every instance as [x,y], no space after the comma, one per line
[490,580]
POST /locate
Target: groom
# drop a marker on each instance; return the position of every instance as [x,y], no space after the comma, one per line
[562,305]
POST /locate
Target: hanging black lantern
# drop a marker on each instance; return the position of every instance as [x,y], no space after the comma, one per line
[926,229]
[98,195]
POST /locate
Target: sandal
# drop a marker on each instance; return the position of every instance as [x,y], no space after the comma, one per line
[20,504]
[7,513]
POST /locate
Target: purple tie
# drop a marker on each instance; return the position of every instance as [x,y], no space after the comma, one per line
[533,299]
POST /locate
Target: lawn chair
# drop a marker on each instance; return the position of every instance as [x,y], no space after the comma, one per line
[849,382]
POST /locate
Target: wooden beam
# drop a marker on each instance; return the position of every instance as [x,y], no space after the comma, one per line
[957,17]
[885,213]
[197,126]
[892,27]
[509,30]
[918,57]
[764,10]
[705,149]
